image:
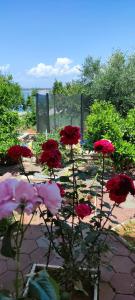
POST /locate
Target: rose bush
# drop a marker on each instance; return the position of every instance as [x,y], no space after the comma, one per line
[74,238]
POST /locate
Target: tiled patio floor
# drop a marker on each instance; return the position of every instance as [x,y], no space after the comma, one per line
[117,280]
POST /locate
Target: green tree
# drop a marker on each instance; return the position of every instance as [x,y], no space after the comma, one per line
[10,100]
[10,93]
[113,81]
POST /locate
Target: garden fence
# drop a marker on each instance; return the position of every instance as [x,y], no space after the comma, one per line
[57,111]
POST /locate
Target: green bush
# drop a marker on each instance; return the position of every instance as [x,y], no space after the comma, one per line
[104,122]
[9,123]
[129,134]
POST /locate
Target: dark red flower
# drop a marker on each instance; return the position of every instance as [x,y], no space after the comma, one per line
[26,152]
[50,145]
[51,158]
[104,146]
[119,186]
[17,151]
[62,191]
[70,135]
[83,210]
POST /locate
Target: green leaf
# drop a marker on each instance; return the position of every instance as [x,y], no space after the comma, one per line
[64,179]
[43,287]
[7,249]
[4,297]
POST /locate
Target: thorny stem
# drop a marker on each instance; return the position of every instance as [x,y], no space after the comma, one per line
[102,186]
[49,232]
[23,169]
[96,238]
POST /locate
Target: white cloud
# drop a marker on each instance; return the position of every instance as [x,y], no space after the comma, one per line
[63,61]
[62,66]
[4,68]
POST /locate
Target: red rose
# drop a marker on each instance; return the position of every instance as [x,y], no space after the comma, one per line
[104,146]
[62,191]
[50,145]
[119,186]
[26,152]
[83,210]
[51,158]
[70,135]
[17,151]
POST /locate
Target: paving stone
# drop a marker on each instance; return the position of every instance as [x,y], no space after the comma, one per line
[28,246]
[43,242]
[119,249]
[106,292]
[106,273]
[106,257]
[132,256]
[38,256]
[122,264]
[7,281]
[124,297]
[24,263]
[3,266]
[123,283]
[33,232]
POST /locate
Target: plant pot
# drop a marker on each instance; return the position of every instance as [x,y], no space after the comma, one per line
[53,268]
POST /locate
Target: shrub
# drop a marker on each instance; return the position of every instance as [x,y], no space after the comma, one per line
[103,122]
[9,122]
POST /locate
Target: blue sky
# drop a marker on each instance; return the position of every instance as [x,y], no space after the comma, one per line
[44,40]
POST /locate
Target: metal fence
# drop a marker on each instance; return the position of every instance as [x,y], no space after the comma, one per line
[57,111]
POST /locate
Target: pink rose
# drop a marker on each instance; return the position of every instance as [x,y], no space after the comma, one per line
[26,196]
[50,194]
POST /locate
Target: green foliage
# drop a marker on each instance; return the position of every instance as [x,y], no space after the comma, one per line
[4,224]
[103,122]
[43,287]
[10,93]
[28,120]
[113,81]
[9,123]
[7,248]
[129,134]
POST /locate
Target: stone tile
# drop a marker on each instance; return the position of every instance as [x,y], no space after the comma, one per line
[119,249]
[122,264]
[123,283]
[124,297]
[43,242]
[106,273]
[106,257]
[7,281]
[106,292]
[24,263]
[3,266]
[132,256]
[33,232]
[28,246]
[38,256]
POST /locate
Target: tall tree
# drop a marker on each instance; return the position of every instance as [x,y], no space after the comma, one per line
[113,81]
[10,93]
